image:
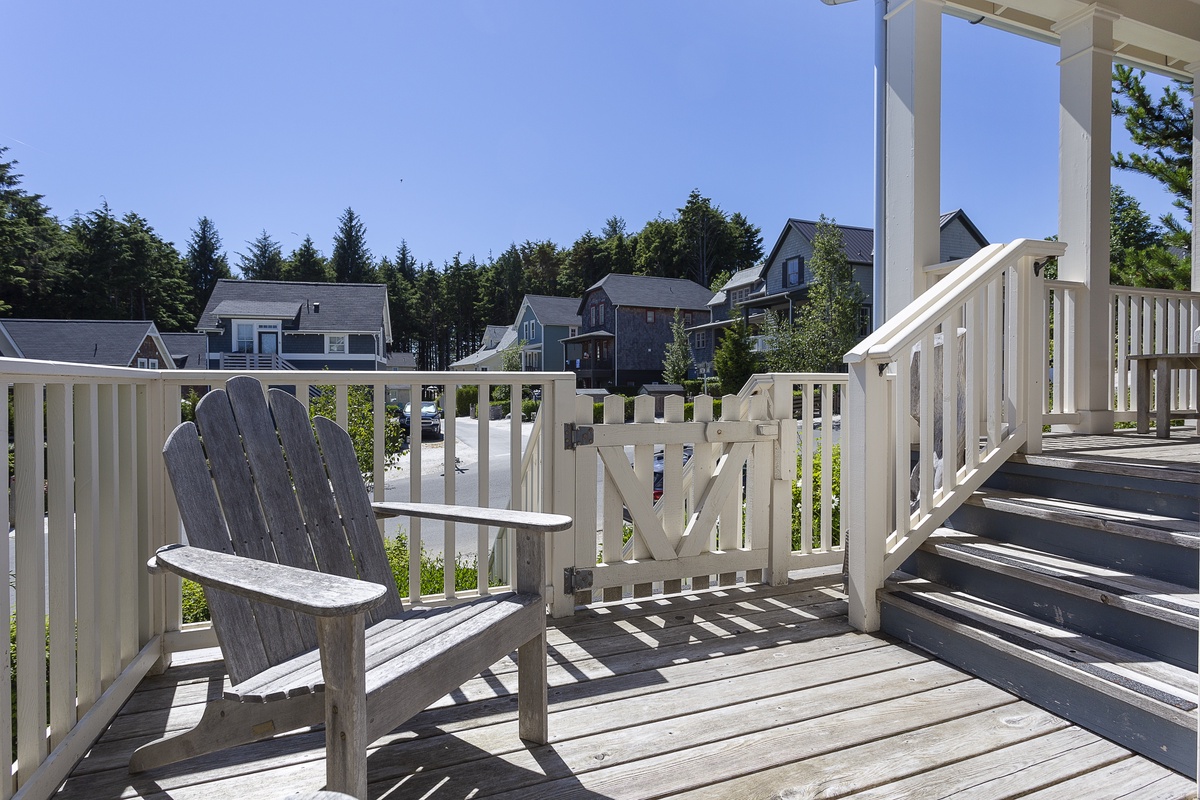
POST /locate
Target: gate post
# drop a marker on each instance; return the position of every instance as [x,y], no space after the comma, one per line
[558,483]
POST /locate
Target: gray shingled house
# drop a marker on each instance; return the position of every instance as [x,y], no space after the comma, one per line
[284,324]
[110,343]
[782,282]
[626,325]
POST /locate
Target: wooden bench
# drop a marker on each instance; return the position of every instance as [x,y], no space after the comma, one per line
[1162,364]
[285,542]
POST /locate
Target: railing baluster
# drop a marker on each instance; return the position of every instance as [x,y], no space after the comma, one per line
[809,414]
[60,525]
[414,491]
[614,523]
[483,447]
[30,538]
[87,543]
[125,545]
[827,407]
[110,653]
[902,495]
[449,490]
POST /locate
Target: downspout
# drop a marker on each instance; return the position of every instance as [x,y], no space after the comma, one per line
[616,319]
[879,260]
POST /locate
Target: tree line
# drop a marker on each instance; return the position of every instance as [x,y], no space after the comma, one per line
[101,266]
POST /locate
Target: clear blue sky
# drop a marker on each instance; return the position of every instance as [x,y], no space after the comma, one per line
[465,126]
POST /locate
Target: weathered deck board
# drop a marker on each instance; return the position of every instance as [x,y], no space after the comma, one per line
[739,692]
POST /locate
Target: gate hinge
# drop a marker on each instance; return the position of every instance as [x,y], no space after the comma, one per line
[576,580]
[574,435]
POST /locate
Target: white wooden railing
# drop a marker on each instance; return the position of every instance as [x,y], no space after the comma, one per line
[91,504]
[1058,324]
[981,322]
[1152,321]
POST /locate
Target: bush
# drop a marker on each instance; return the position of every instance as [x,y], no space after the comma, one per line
[689,410]
[835,494]
[360,420]
[464,398]
[195,604]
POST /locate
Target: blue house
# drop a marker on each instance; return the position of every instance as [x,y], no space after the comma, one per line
[542,322]
[284,324]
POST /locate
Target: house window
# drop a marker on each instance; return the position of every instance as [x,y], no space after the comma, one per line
[142,363]
[593,313]
[649,315]
[245,338]
[738,296]
[792,272]
[701,340]
[152,363]
[336,343]
[572,331]
[687,320]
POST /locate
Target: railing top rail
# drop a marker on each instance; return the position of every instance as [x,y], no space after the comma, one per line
[1058,283]
[32,368]
[904,329]
[365,377]
[1141,292]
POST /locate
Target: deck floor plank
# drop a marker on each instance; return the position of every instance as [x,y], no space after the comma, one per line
[739,692]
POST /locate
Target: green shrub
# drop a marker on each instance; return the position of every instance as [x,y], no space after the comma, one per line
[815,511]
[195,604]
[464,398]
[689,410]
[360,418]
[529,408]
[12,662]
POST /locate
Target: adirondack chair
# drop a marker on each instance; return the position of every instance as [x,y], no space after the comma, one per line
[284,539]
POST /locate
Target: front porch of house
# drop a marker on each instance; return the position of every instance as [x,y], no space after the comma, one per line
[740,691]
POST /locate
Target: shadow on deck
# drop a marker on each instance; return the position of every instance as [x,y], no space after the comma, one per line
[734,693]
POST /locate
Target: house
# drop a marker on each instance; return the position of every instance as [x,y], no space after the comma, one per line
[626,325]
[284,324]
[188,350]
[490,355]
[786,275]
[111,343]
[724,306]
[542,323]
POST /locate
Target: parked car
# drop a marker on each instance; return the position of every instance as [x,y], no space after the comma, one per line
[431,418]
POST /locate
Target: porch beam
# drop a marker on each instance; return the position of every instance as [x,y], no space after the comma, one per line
[913,114]
[1085,146]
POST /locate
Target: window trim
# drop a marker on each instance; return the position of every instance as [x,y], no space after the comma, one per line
[649,316]
[345,350]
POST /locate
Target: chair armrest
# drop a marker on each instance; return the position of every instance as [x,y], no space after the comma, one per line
[315,593]
[495,517]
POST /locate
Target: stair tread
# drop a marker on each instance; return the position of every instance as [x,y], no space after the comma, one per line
[1172,530]
[1168,601]
[1170,690]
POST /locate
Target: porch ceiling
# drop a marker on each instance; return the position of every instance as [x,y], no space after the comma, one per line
[1162,36]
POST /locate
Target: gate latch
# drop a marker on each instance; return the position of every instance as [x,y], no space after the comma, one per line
[576,580]
[574,435]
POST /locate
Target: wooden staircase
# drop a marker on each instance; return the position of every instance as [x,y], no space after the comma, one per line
[1074,586]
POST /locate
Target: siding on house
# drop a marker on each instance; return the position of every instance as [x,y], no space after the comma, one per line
[305,343]
[362,344]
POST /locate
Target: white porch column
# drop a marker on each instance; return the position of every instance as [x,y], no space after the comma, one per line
[1195,70]
[913,141]
[1085,146]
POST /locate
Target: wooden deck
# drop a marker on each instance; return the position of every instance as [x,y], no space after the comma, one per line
[740,692]
[1141,453]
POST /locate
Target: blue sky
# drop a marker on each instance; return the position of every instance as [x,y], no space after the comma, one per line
[463,126]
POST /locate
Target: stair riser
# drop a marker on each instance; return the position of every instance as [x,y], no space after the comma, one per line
[1155,559]
[1127,724]
[1125,492]
[1153,637]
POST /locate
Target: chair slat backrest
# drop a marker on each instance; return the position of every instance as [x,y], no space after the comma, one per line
[251,479]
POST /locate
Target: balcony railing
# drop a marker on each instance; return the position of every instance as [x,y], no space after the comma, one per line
[255,361]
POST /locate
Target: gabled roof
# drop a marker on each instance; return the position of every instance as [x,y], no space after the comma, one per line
[644,291]
[317,307]
[111,343]
[491,346]
[860,242]
[740,279]
[553,310]
[188,350]
[399,360]
[961,215]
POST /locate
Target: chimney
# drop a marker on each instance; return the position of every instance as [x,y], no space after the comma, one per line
[317,307]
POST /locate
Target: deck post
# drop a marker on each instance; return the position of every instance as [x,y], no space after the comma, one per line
[865,490]
[1085,144]
[1194,68]
[780,547]
[558,478]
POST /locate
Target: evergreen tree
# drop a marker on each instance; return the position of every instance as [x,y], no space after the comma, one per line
[830,320]
[747,242]
[785,344]
[658,248]
[398,276]
[541,264]
[263,261]
[205,263]
[585,264]
[1138,252]
[32,250]
[351,260]
[307,264]
[706,239]
[677,358]
[734,359]
[1162,127]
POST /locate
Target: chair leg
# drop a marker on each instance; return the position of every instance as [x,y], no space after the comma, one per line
[343,667]
[532,691]
[226,723]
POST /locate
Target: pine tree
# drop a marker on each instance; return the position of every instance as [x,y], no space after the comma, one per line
[830,320]
[263,261]
[351,260]
[734,359]
[677,358]
[1162,127]
[205,263]
[32,250]
[307,264]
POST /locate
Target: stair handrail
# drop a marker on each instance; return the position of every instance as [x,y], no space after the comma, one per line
[981,411]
